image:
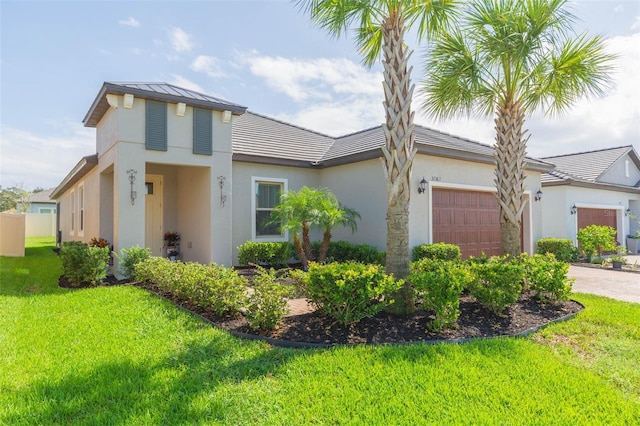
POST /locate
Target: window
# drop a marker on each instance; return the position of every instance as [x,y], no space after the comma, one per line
[81,207]
[266,196]
[73,211]
[202,132]
[156,125]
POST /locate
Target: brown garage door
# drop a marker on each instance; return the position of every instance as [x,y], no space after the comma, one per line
[602,217]
[468,219]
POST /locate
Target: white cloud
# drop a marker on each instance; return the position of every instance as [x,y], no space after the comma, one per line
[40,160]
[208,65]
[130,22]
[636,24]
[613,120]
[184,82]
[321,79]
[180,40]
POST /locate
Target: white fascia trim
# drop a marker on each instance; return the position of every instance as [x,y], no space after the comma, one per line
[285,187]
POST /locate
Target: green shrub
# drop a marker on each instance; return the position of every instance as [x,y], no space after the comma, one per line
[547,277]
[439,284]
[497,282]
[211,286]
[264,253]
[82,264]
[350,291]
[595,239]
[128,258]
[441,251]
[267,305]
[562,249]
[344,251]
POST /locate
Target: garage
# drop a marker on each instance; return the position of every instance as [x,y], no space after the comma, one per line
[469,219]
[601,217]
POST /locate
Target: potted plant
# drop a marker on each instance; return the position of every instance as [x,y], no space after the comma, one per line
[633,243]
[171,241]
[618,259]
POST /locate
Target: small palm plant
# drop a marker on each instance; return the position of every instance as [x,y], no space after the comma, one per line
[299,211]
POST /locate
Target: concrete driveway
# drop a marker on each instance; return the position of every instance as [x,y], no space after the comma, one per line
[615,284]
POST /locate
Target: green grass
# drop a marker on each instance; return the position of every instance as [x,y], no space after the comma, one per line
[119,355]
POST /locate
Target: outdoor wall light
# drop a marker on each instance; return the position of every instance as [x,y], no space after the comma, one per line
[627,212]
[132,178]
[223,198]
[538,196]
[226,116]
[574,209]
[422,186]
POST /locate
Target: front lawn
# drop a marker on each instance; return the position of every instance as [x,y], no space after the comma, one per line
[119,355]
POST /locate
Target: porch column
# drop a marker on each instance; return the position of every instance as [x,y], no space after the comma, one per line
[128,200]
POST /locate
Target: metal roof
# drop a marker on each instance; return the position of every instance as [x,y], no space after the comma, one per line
[158,91]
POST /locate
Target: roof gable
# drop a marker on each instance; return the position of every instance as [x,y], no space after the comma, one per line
[591,165]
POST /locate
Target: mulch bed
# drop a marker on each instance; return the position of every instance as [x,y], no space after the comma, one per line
[313,327]
[475,321]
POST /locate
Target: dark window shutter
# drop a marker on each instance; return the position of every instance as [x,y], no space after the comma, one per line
[156,122]
[202,132]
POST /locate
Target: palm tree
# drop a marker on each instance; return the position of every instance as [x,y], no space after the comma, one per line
[299,211]
[380,27]
[333,214]
[295,213]
[509,58]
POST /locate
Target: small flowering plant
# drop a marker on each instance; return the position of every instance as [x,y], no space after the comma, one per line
[171,238]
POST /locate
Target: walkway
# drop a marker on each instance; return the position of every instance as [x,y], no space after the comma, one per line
[615,284]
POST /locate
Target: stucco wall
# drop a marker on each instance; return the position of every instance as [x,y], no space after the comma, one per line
[618,172]
[360,186]
[557,221]
[242,192]
[91,184]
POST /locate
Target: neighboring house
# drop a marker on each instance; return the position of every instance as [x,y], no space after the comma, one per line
[40,202]
[171,159]
[597,187]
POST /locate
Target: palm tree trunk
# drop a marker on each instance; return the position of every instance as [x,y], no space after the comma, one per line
[398,154]
[510,152]
[324,247]
[306,241]
[300,251]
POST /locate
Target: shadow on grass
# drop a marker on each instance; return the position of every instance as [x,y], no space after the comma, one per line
[181,388]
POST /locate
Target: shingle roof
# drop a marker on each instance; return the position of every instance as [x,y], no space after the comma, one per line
[257,135]
[41,197]
[159,91]
[588,166]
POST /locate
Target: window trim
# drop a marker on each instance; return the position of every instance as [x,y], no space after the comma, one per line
[72,230]
[285,187]
[81,212]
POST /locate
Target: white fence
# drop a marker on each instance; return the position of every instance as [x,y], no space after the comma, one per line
[40,225]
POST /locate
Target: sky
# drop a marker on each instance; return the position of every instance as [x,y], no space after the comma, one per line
[265,55]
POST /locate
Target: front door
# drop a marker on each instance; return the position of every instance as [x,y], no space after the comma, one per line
[153,214]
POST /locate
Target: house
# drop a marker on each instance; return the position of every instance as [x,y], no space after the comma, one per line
[171,159]
[592,188]
[40,202]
